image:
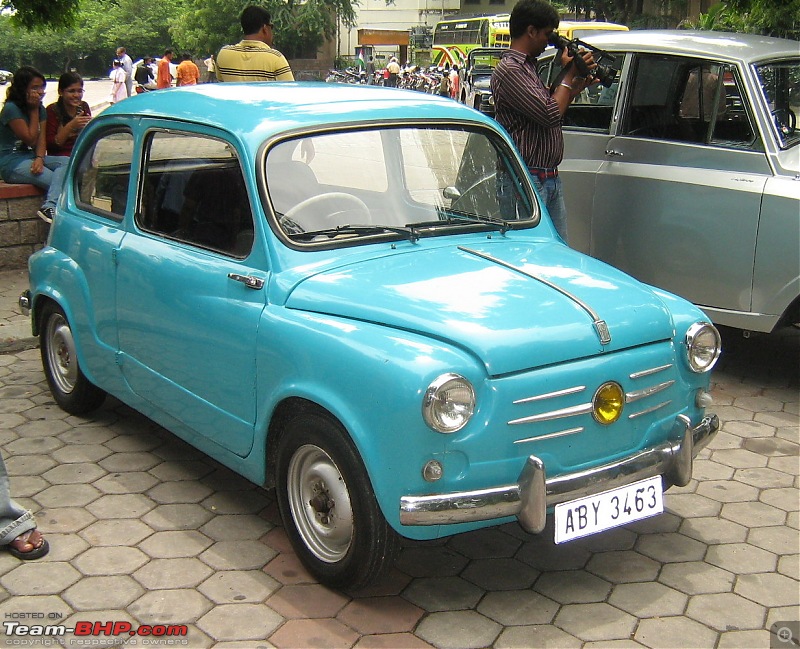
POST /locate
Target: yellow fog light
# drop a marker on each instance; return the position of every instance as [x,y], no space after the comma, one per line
[607,403]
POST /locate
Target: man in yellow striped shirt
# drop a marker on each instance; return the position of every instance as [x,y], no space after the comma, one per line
[253,58]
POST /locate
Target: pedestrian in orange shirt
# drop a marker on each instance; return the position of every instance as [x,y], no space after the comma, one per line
[187,74]
[164,76]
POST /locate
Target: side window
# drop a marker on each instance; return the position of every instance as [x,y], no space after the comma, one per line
[193,191]
[687,100]
[593,108]
[101,182]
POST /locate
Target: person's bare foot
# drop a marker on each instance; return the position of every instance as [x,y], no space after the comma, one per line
[29,545]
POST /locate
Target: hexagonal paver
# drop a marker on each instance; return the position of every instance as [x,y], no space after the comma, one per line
[177,517]
[126,483]
[518,608]
[753,514]
[663,632]
[170,606]
[458,630]
[70,495]
[116,531]
[244,526]
[727,491]
[174,544]
[179,492]
[161,574]
[78,453]
[427,561]
[726,611]
[310,634]
[624,566]
[77,473]
[251,555]
[121,506]
[372,615]
[741,558]
[525,637]
[96,593]
[713,530]
[769,589]
[121,462]
[572,587]
[779,539]
[235,586]
[307,600]
[697,577]
[671,548]
[500,574]
[645,600]
[443,593]
[40,578]
[110,561]
[595,622]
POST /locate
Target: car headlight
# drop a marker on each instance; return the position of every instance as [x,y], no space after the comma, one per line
[449,403]
[703,346]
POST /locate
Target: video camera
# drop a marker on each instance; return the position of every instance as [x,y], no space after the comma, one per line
[605,74]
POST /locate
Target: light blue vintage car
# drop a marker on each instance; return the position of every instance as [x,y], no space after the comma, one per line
[351,294]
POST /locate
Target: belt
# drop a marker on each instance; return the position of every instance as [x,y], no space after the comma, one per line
[543,173]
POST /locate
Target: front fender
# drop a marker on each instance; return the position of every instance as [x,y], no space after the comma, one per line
[371,378]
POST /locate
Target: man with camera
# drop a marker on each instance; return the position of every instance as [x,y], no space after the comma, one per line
[528,110]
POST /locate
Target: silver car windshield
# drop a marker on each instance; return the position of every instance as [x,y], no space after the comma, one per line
[351,186]
[780,85]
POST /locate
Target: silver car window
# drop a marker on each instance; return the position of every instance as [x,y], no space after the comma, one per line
[103,174]
[780,87]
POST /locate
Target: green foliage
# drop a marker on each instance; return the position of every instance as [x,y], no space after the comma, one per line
[41,14]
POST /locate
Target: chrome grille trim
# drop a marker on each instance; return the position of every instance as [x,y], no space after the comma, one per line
[551,395]
[652,370]
[561,433]
[630,397]
[580,409]
[647,411]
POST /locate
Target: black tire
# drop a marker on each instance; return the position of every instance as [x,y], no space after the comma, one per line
[328,506]
[70,388]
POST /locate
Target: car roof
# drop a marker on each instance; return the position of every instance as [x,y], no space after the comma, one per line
[720,45]
[258,111]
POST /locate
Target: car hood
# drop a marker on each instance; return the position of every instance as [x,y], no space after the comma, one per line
[515,306]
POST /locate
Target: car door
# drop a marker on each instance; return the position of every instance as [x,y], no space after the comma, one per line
[677,199]
[190,294]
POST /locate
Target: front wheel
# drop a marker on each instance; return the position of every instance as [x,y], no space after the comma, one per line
[328,506]
[69,386]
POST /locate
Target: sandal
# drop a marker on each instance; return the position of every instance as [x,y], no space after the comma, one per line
[39,546]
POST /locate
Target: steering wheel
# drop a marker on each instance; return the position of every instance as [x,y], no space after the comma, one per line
[328,210]
[785,118]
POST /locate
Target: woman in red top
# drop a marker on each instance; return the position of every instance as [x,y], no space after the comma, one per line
[68,116]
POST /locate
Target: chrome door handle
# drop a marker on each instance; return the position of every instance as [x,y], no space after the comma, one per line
[248,280]
[611,152]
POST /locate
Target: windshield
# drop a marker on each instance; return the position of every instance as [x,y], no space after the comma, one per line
[780,85]
[351,186]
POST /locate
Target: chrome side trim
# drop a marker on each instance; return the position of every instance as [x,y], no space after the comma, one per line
[599,324]
[652,370]
[647,411]
[630,397]
[529,498]
[580,409]
[551,395]
[561,433]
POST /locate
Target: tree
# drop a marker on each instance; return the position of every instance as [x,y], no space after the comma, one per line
[770,17]
[207,25]
[41,14]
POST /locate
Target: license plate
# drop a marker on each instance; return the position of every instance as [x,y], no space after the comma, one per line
[613,508]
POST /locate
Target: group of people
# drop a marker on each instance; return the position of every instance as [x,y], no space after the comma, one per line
[450,83]
[35,142]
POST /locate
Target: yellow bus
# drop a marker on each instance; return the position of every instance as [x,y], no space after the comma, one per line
[570,29]
[453,38]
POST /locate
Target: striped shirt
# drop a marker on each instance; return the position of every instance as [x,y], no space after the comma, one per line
[524,107]
[252,61]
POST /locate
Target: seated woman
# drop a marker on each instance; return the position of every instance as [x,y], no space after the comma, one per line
[23,123]
[68,116]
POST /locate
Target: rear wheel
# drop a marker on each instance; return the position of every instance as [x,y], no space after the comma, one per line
[70,388]
[328,506]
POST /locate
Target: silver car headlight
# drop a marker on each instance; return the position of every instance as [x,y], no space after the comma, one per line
[703,346]
[449,403]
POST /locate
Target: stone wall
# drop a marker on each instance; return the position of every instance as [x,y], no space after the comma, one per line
[21,231]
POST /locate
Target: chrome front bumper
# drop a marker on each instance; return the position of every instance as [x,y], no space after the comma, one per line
[533,493]
[24,302]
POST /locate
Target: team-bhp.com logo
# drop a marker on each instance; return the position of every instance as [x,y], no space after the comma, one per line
[19,634]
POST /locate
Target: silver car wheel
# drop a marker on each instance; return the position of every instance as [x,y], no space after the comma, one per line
[61,357]
[320,503]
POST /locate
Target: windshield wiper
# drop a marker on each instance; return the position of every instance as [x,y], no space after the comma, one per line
[460,218]
[408,231]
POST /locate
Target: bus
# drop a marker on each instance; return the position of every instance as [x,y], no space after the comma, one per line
[453,38]
[570,29]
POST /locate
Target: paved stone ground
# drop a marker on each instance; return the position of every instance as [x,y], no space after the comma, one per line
[146,530]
